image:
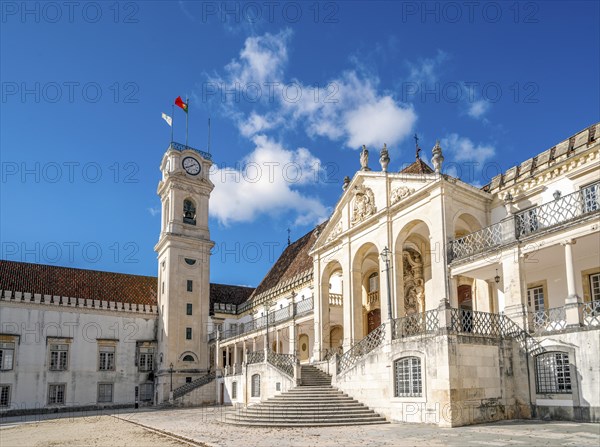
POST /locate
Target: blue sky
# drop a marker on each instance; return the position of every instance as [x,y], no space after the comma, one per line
[293,90]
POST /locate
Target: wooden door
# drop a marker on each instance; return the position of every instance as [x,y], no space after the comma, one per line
[373,320]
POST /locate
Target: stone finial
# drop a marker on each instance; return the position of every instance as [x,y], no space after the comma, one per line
[384,158]
[508,203]
[438,157]
[364,159]
[346,183]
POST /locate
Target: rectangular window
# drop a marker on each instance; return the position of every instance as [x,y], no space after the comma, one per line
[4,395]
[190,285]
[105,392]
[595,286]
[591,198]
[7,353]
[188,309]
[146,360]
[146,392]
[408,378]
[188,333]
[107,358]
[552,373]
[255,387]
[56,394]
[535,298]
[58,357]
[188,380]
[234,390]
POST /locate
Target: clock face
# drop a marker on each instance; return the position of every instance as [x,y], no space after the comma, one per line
[191,165]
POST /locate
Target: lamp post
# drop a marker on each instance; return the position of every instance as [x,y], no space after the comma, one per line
[385,257]
[171,373]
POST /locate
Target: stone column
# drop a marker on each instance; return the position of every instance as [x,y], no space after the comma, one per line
[453,298]
[513,276]
[254,344]
[292,337]
[244,352]
[235,354]
[572,302]
[277,340]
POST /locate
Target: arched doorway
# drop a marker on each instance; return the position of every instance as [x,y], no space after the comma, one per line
[373,320]
[336,338]
[465,304]
[303,347]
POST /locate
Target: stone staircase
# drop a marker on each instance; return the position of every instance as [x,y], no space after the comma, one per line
[315,403]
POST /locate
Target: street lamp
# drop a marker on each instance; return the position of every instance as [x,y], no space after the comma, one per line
[385,257]
[171,372]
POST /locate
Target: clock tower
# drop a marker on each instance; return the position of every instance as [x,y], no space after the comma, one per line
[183,268]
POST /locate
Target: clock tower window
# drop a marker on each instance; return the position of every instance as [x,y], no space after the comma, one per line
[189,212]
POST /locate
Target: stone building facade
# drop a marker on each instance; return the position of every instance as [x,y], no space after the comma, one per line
[426,298]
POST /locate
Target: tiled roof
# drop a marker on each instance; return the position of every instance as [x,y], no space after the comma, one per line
[223,293]
[77,283]
[293,261]
[418,167]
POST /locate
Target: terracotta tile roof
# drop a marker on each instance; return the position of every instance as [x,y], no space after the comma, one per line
[293,261]
[77,283]
[223,293]
[418,167]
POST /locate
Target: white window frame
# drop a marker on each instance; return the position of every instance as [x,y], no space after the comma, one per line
[54,391]
[59,357]
[106,358]
[408,381]
[7,356]
[533,295]
[594,289]
[255,386]
[146,359]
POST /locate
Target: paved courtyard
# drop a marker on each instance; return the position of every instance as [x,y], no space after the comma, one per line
[204,426]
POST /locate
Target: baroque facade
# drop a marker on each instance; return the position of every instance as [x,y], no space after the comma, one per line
[426,298]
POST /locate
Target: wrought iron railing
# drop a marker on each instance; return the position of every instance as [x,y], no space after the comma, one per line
[475,322]
[559,211]
[361,349]
[255,357]
[283,362]
[415,324]
[591,313]
[184,389]
[303,307]
[547,320]
[183,147]
[335,299]
[480,241]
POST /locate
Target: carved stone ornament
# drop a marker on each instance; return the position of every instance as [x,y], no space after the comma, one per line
[337,230]
[414,283]
[400,193]
[364,159]
[364,204]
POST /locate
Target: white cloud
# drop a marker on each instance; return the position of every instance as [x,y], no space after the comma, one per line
[154,211]
[265,182]
[426,70]
[464,149]
[478,108]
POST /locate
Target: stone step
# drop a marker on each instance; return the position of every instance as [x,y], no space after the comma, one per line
[306,413]
[273,422]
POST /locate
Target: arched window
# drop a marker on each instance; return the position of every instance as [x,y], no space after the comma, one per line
[255,391]
[408,377]
[188,358]
[189,212]
[373,282]
[553,373]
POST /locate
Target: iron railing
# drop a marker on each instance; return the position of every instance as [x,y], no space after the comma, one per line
[547,320]
[183,147]
[591,313]
[559,211]
[415,324]
[255,357]
[361,349]
[562,210]
[283,362]
[184,389]
[475,322]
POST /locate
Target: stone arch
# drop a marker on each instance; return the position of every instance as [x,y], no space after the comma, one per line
[185,357]
[365,302]
[189,211]
[303,347]
[412,268]
[464,224]
[332,291]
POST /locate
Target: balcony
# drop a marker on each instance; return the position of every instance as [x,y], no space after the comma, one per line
[560,211]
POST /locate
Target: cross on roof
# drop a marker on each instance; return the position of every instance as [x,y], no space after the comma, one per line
[418,149]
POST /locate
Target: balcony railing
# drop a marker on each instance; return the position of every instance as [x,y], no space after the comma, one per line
[474,322]
[591,313]
[361,349]
[335,299]
[548,215]
[284,362]
[373,297]
[547,320]
[298,309]
[183,147]
[255,357]
[559,211]
[415,324]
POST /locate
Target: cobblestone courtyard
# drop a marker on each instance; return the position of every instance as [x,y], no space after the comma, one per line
[204,426]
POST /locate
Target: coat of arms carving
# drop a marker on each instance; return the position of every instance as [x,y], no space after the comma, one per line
[364,204]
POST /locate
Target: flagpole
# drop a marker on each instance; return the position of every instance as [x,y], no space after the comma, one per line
[172,120]
[187,116]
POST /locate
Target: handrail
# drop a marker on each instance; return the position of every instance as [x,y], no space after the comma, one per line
[188,387]
[361,349]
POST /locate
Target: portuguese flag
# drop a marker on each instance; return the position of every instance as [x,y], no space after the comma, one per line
[179,103]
